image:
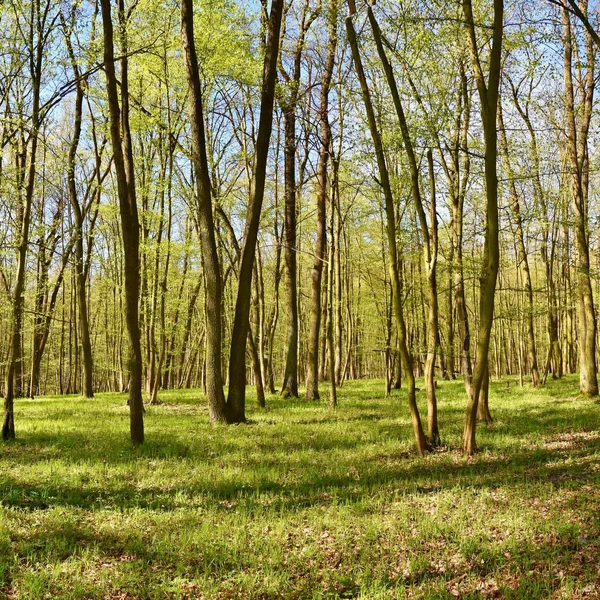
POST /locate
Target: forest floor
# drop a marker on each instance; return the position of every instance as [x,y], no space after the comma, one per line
[303,502]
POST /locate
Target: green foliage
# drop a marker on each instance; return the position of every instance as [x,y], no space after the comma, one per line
[302,502]
[225,42]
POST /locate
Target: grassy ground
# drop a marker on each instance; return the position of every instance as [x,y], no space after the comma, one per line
[302,502]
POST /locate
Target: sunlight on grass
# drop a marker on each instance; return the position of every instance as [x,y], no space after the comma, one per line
[302,502]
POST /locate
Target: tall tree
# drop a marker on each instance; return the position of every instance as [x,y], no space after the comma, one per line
[124,168]
[36,38]
[488,98]
[79,212]
[236,398]
[312,365]
[429,231]
[520,240]
[206,228]
[578,118]
[420,438]
[289,97]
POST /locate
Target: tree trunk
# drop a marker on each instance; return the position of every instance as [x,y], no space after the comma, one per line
[421,440]
[312,366]
[488,96]
[123,161]
[236,399]
[523,259]
[26,175]
[289,387]
[429,232]
[578,123]
[206,229]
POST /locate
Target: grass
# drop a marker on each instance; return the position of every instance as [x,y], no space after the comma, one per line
[302,502]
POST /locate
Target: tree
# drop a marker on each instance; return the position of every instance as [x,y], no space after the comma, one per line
[578,125]
[236,398]
[312,365]
[488,97]
[123,163]
[421,440]
[206,228]
[39,28]
[523,258]
[429,231]
[288,99]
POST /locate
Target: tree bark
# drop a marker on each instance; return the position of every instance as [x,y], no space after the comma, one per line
[488,96]
[206,228]
[236,399]
[123,161]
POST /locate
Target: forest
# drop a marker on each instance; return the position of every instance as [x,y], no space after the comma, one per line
[314,281]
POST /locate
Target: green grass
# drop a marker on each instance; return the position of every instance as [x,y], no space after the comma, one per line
[302,502]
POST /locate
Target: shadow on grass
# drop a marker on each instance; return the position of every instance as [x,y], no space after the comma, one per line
[532,568]
[295,461]
[298,481]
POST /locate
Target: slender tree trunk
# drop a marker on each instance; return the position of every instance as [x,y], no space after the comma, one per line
[421,440]
[26,176]
[488,96]
[483,410]
[312,366]
[337,283]
[523,258]
[329,304]
[206,229]
[86,344]
[429,232]
[123,161]
[578,123]
[289,387]
[236,399]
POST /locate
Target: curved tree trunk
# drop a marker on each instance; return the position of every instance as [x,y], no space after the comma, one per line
[429,232]
[421,440]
